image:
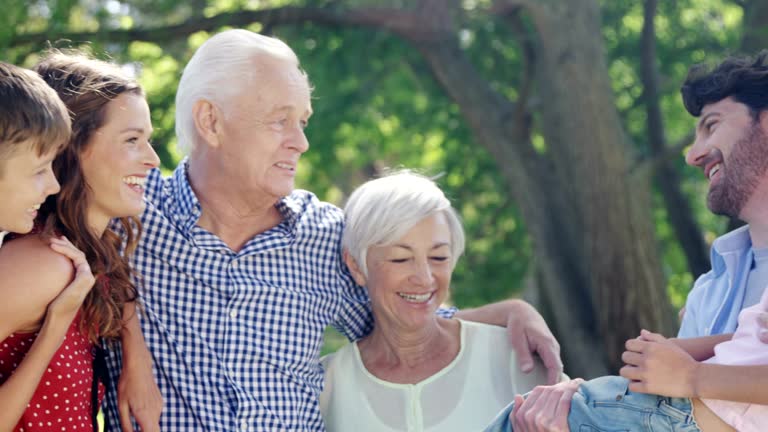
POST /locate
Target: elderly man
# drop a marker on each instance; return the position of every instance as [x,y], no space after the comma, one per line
[240,273]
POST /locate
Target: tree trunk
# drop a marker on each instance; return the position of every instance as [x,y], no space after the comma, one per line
[666,176]
[594,246]
[591,224]
[755,36]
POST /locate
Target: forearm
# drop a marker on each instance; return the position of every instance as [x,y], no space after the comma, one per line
[701,348]
[17,391]
[732,383]
[494,314]
[134,346]
[137,393]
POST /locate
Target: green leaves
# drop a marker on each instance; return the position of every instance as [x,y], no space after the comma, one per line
[377,104]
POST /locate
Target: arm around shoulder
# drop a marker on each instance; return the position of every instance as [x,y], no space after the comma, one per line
[528,333]
[33,275]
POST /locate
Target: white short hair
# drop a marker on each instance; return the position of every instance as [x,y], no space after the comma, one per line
[219,70]
[383,210]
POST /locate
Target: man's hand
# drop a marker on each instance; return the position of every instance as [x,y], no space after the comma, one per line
[137,392]
[529,333]
[138,395]
[656,365]
[545,409]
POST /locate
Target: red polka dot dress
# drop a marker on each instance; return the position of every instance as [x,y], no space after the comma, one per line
[62,400]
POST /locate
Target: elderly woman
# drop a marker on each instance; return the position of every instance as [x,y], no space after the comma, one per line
[416,371]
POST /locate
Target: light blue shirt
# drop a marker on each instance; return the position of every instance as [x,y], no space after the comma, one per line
[758,277]
[718,296]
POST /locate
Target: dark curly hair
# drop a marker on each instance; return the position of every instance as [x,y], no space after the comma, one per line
[86,86]
[745,79]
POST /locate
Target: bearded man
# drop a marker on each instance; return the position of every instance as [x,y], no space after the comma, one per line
[731,148]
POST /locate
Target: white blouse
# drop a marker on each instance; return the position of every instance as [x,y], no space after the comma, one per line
[462,397]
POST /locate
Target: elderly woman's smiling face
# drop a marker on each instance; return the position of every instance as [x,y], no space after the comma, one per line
[409,279]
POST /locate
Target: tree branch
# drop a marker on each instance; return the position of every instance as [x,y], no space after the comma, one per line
[505,7]
[667,179]
[398,21]
[528,47]
[407,23]
[652,163]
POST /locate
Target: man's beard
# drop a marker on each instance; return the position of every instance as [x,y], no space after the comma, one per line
[743,171]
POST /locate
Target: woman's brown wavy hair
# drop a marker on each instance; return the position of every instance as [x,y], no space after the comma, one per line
[86,86]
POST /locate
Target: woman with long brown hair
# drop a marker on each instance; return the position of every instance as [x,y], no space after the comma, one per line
[102,173]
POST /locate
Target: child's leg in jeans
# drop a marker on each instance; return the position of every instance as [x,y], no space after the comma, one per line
[605,404]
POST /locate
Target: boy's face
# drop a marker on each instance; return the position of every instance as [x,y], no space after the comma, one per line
[26,180]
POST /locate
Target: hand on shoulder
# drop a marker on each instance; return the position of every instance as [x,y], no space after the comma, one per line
[33,275]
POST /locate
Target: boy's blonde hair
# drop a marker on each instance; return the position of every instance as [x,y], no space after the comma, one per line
[31,114]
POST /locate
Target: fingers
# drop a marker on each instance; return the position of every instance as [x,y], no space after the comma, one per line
[147,418]
[83,275]
[551,359]
[638,387]
[652,337]
[574,384]
[63,246]
[519,341]
[525,412]
[559,404]
[636,345]
[516,409]
[632,358]
[526,343]
[632,373]
[138,396]
[125,417]
[563,407]
[546,408]
[147,425]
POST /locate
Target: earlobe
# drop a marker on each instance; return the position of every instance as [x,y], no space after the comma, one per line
[354,269]
[763,118]
[205,115]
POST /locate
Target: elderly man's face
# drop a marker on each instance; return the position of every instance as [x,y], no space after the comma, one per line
[408,280]
[263,133]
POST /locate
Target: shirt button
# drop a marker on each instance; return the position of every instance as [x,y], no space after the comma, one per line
[244,426]
[234,264]
[233,313]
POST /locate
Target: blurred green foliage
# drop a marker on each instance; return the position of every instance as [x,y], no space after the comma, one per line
[377,106]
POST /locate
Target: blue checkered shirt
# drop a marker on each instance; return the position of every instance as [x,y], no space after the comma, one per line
[236,336]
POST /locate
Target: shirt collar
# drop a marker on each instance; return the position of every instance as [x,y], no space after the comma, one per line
[188,209]
[290,207]
[726,247]
[2,235]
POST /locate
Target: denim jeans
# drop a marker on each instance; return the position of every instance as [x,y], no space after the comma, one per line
[605,404]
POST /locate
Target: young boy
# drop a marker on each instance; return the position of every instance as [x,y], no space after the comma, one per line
[34,125]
